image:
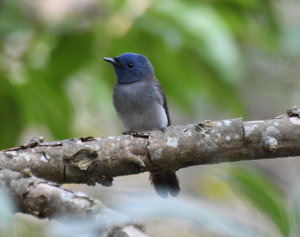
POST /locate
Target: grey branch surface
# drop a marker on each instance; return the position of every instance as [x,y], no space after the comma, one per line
[43,199]
[91,160]
[97,160]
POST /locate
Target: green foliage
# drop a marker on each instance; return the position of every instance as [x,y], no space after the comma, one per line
[43,97]
[263,194]
[193,45]
[11,123]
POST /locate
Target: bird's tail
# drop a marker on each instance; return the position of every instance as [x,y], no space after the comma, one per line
[165,183]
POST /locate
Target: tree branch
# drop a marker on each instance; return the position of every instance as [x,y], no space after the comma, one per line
[43,199]
[90,160]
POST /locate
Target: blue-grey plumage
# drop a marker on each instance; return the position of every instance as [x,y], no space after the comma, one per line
[141,106]
[138,96]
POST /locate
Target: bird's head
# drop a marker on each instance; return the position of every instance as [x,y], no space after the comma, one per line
[131,67]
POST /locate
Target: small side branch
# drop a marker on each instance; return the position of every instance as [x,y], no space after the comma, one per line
[43,199]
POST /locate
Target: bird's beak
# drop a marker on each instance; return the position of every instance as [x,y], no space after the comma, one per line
[112,61]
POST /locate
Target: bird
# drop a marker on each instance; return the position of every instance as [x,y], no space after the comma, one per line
[141,106]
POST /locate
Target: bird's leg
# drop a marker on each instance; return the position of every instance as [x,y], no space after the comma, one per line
[161,128]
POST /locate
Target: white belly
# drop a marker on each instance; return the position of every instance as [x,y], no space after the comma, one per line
[147,119]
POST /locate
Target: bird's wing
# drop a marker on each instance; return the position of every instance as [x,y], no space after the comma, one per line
[165,105]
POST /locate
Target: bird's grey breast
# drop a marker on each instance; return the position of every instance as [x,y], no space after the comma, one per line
[139,106]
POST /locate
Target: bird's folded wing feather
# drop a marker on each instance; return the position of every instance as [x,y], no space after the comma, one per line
[161,91]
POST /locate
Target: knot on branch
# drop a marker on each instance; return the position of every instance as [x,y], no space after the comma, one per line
[293,112]
[271,138]
[204,127]
[83,157]
[34,141]
[25,173]
[135,160]
[271,144]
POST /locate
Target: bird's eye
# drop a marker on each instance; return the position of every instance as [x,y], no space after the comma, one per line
[130,65]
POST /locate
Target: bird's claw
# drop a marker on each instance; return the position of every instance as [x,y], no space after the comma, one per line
[161,128]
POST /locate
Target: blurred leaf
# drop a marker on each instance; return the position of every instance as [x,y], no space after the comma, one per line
[249,4]
[253,22]
[43,99]
[216,220]
[72,52]
[295,209]
[11,13]
[262,194]
[10,121]
[210,37]
[44,103]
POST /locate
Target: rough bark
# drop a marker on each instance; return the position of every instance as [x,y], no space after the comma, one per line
[90,160]
[43,199]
